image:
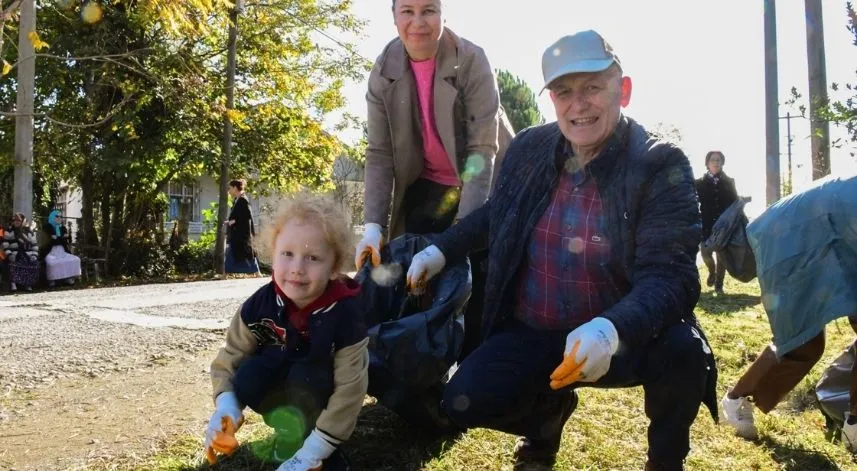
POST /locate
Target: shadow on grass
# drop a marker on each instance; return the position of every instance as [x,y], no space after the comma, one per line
[727,303]
[385,442]
[797,458]
[381,442]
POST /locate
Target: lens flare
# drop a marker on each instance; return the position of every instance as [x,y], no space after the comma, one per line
[387,275]
[91,13]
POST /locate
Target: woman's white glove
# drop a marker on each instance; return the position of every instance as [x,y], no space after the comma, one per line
[424,266]
[588,350]
[310,455]
[369,246]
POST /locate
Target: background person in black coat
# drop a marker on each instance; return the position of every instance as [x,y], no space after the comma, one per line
[240,231]
[716,192]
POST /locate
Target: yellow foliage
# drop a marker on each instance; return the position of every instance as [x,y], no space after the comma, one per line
[6,67]
[36,41]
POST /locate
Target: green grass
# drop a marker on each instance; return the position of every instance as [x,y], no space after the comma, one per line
[608,430]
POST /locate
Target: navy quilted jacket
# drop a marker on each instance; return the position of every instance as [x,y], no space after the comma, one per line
[652,218]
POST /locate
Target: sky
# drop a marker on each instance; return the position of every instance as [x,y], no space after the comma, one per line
[698,66]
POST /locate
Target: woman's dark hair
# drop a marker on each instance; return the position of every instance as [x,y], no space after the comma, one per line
[712,153]
[238,184]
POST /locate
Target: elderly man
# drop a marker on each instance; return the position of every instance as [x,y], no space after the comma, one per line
[592,235]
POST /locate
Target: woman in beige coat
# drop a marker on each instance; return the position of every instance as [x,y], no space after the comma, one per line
[433,118]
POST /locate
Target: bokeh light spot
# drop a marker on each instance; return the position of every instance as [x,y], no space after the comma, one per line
[91,13]
[387,275]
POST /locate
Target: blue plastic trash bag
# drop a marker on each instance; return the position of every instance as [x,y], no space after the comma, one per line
[729,239]
[806,257]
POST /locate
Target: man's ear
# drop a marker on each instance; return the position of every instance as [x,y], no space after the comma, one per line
[625,99]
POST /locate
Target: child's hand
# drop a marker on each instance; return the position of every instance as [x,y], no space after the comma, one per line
[310,456]
[297,464]
[220,433]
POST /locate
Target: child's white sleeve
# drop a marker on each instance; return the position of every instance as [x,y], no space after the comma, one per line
[350,382]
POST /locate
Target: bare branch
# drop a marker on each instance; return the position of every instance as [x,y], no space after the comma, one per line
[46,117]
[8,12]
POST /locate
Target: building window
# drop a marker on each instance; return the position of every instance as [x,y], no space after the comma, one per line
[183,197]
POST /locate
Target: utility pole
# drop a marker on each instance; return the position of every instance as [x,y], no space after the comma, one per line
[772,124]
[22,200]
[226,159]
[819,128]
[788,117]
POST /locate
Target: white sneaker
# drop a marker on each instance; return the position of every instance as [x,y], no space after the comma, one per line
[739,414]
[849,433]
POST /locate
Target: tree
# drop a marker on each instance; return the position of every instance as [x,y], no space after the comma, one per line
[130,102]
[844,112]
[518,100]
[841,112]
[666,132]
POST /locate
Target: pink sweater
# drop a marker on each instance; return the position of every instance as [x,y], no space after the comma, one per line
[437,166]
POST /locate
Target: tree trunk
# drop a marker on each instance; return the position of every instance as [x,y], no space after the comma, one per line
[87,210]
[23,191]
[226,159]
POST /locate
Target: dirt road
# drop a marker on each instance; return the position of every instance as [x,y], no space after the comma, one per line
[86,375]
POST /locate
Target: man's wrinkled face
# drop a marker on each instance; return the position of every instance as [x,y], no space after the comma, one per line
[588,106]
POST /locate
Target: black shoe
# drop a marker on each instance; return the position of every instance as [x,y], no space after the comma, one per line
[532,453]
[710,281]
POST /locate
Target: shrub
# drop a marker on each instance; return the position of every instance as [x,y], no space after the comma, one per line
[195,257]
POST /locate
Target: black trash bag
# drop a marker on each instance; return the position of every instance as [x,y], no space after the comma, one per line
[414,341]
[729,239]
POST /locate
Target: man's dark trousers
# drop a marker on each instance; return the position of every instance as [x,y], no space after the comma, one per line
[504,385]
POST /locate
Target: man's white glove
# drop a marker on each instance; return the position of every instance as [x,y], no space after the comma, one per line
[424,266]
[369,246]
[588,350]
[220,433]
[311,454]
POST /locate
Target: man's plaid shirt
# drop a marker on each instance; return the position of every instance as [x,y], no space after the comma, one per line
[563,282]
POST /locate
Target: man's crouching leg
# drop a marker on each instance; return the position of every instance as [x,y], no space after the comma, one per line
[504,385]
[676,376]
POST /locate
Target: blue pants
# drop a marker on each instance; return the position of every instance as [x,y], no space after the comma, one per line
[505,385]
[265,383]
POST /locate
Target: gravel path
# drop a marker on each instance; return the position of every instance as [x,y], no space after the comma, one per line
[83,370]
[48,336]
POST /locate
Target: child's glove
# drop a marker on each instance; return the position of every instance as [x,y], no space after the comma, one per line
[226,420]
[310,456]
[588,350]
[424,266]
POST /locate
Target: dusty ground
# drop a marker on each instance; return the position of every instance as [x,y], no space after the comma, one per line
[90,374]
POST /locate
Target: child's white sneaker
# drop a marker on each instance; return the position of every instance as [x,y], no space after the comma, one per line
[849,433]
[739,414]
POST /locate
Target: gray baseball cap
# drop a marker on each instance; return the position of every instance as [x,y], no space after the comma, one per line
[585,51]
